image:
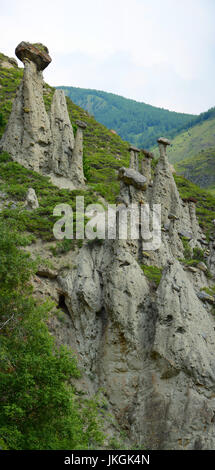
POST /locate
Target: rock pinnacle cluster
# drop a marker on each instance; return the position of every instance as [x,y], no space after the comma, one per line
[151,349]
[41,142]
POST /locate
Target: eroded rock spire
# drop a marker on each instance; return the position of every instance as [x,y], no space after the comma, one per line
[134,161]
[28,136]
[40,142]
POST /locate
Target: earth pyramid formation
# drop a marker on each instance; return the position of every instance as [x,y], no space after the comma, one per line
[150,348]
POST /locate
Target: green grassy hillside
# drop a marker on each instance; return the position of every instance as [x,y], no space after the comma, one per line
[205,207]
[40,409]
[193,153]
[139,123]
[191,142]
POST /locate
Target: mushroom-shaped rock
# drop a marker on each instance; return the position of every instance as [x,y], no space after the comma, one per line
[81,124]
[185,234]
[134,162]
[205,297]
[62,135]
[147,153]
[131,177]
[172,216]
[37,53]
[202,266]
[146,164]
[163,141]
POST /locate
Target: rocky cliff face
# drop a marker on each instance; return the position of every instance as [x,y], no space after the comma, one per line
[40,142]
[151,350]
[149,347]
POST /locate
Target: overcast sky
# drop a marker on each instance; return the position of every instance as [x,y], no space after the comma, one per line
[161,52]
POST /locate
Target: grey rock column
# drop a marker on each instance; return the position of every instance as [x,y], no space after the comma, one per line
[163,143]
[146,164]
[31,200]
[76,169]
[164,190]
[134,161]
[193,219]
[132,186]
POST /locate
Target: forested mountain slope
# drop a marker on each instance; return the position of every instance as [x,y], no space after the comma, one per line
[193,153]
[136,122]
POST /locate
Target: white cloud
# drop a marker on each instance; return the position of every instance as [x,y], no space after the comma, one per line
[158,51]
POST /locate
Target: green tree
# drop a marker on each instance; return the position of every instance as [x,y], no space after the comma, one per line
[39,408]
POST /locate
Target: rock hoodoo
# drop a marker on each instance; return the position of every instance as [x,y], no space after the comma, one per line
[132,177]
[40,142]
[62,136]
[37,53]
[164,189]
[146,164]
[77,161]
[134,161]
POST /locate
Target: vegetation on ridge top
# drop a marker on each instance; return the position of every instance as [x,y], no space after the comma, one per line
[193,152]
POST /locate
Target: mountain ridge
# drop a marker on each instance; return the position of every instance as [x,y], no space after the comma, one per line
[137,122]
[193,154]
